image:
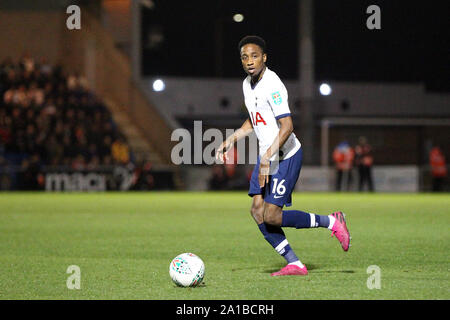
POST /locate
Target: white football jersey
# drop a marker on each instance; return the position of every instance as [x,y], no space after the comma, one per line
[266,103]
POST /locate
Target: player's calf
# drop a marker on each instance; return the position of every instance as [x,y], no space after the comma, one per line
[273,234]
[300,220]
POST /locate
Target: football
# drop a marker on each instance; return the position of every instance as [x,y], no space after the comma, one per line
[187,270]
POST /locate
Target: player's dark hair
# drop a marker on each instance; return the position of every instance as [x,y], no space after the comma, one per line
[254,40]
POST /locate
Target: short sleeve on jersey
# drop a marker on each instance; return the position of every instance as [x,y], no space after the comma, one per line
[278,100]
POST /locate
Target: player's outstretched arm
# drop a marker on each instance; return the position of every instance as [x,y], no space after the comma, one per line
[225,146]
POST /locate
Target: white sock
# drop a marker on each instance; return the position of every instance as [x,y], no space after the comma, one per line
[297,263]
[332,221]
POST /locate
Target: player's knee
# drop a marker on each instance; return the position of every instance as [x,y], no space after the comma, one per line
[272,214]
[257,212]
[271,217]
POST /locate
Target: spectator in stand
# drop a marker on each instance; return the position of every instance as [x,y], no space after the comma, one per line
[143,178]
[105,148]
[30,169]
[93,163]
[107,160]
[78,163]
[219,178]
[343,156]
[54,151]
[438,168]
[5,128]
[48,118]
[120,151]
[364,161]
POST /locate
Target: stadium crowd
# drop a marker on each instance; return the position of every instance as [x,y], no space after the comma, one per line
[346,156]
[49,118]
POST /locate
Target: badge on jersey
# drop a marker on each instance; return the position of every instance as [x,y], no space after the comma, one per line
[276,97]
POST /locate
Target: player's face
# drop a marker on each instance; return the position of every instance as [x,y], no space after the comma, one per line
[253,59]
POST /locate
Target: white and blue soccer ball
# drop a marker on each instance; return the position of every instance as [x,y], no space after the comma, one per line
[187,270]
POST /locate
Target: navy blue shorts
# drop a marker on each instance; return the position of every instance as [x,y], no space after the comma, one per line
[281,184]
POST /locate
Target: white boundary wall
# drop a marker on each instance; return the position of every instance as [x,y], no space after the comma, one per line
[396,178]
[385,179]
[322,179]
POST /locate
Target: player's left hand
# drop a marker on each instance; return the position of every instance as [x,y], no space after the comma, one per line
[264,167]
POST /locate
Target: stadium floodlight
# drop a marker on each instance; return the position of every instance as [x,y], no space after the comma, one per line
[238,17]
[148,4]
[158,85]
[325,89]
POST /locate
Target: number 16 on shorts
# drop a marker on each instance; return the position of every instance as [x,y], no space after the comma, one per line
[278,189]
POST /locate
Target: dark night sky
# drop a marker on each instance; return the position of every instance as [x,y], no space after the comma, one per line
[412,45]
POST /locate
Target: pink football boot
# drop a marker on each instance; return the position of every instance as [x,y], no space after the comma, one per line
[291,270]
[340,230]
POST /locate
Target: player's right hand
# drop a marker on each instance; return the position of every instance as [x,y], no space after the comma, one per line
[222,151]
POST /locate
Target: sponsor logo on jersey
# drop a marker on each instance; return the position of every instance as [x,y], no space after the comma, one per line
[276,97]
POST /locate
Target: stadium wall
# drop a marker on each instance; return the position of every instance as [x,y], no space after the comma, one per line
[323,179]
[19,30]
[219,103]
[193,96]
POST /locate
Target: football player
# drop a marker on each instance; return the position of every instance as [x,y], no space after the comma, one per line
[280,159]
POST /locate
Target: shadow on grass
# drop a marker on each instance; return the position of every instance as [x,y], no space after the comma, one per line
[276,268]
[201,285]
[334,271]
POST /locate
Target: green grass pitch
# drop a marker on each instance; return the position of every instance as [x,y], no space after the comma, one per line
[124,242]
